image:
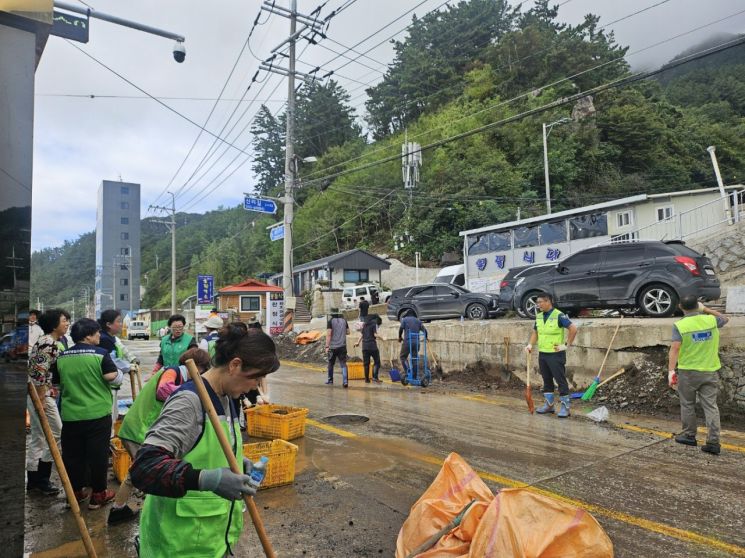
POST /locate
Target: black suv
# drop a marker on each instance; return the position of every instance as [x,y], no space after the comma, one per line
[649,276]
[515,277]
[440,301]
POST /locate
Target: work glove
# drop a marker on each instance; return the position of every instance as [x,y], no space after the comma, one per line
[225,483]
[562,347]
[528,348]
[672,378]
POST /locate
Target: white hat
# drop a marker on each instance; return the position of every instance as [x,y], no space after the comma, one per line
[214,322]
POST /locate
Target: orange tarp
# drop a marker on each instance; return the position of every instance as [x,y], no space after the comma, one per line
[515,523]
[308,337]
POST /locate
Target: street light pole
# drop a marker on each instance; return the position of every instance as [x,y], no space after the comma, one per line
[546,132]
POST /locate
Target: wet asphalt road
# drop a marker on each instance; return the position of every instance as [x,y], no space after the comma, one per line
[356,482]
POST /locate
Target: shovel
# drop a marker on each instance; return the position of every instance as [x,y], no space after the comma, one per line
[590,391]
[528,392]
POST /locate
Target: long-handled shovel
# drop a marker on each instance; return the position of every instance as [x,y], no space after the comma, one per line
[132,382]
[590,391]
[139,377]
[71,499]
[528,392]
[227,450]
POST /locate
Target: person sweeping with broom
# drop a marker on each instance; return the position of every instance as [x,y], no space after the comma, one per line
[193,506]
[554,333]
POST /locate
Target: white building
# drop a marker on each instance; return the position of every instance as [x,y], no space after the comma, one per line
[490,252]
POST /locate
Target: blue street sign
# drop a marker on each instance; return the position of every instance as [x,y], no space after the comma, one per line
[277,233]
[69,26]
[260,205]
[205,289]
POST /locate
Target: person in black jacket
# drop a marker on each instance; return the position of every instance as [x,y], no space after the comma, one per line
[370,350]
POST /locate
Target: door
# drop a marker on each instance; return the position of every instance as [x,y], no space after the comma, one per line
[447,301]
[621,266]
[575,279]
[425,302]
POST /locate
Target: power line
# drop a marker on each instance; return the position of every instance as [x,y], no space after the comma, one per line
[627,80]
[14,179]
[163,98]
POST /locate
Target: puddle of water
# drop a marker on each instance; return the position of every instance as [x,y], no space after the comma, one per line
[74,549]
[350,419]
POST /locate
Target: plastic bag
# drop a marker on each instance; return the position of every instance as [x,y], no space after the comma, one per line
[600,414]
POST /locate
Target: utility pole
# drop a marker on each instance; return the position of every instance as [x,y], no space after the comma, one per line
[546,132]
[308,23]
[172,226]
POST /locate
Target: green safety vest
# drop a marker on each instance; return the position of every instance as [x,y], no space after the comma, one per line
[699,348]
[171,351]
[194,525]
[85,395]
[549,332]
[143,412]
[211,341]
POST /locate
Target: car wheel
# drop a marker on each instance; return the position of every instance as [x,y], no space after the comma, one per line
[529,305]
[476,312]
[658,301]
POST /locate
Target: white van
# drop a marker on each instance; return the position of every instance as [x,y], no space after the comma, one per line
[452,275]
[351,295]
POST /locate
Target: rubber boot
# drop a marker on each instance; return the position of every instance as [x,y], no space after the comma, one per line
[548,406]
[564,407]
[33,480]
[42,482]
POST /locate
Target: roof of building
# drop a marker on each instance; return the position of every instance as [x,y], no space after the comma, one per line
[356,258]
[250,286]
[595,207]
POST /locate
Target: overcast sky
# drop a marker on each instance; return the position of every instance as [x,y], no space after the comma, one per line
[81,141]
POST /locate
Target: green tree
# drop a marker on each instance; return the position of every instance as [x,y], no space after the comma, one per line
[268,144]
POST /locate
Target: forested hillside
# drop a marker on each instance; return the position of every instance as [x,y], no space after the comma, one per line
[473,65]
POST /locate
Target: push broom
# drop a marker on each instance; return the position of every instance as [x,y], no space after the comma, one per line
[590,391]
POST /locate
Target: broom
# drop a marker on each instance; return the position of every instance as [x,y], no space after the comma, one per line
[528,393]
[590,391]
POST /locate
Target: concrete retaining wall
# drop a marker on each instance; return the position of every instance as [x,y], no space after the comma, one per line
[456,345]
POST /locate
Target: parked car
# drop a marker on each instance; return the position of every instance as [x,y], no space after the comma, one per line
[138,330]
[650,276]
[14,345]
[440,301]
[350,297]
[514,277]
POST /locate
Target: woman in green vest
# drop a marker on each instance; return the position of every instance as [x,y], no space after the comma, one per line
[175,344]
[193,508]
[141,415]
[87,376]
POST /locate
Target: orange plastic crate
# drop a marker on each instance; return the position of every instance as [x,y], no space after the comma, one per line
[276,422]
[355,371]
[281,467]
[120,460]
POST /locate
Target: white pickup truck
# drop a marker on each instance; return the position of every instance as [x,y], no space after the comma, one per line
[138,330]
[372,293]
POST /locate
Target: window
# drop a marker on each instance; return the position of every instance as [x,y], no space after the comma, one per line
[460,280]
[478,245]
[588,226]
[125,251]
[362,291]
[124,221]
[553,233]
[122,297]
[500,241]
[124,190]
[583,261]
[250,303]
[624,219]
[124,205]
[525,236]
[125,236]
[356,275]
[443,290]
[426,292]
[664,213]
[627,237]
[124,282]
[623,256]
[123,267]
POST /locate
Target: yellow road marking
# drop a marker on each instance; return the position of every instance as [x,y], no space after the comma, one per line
[663,434]
[649,525]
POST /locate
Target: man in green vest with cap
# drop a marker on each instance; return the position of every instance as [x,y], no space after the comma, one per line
[695,352]
[175,344]
[555,333]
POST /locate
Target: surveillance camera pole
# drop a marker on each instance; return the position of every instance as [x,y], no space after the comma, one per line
[90,12]
[172,226]
[546,132]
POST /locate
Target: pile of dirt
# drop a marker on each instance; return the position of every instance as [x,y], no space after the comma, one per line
[289,350]
[481,376]
[642,389]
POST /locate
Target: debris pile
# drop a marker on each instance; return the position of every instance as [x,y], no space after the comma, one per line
[642,389]
[288,349]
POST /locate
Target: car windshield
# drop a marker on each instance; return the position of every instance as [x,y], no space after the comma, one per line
[443,279]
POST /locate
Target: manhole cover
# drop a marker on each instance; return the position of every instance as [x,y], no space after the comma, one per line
[346,419]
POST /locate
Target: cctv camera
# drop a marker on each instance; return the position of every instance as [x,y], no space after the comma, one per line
[179,52]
